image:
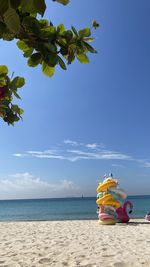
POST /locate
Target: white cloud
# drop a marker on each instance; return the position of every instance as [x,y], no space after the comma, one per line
[98,155]
[143,162]
[93,146]
[146,164]
[47,156]
[91,151]
[118,165]
[19,155]
[26,186]
[70,142]
[115,155]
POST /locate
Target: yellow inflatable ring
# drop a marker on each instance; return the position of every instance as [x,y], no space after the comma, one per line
[113,203]
[106,185]
[107,222]
[102,200]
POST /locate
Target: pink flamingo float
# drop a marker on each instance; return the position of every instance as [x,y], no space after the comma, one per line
[122,214]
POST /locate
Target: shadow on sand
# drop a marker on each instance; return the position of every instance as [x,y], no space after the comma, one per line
[137,223]
[134,223]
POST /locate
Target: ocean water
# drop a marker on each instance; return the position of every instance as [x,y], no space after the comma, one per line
[63,208]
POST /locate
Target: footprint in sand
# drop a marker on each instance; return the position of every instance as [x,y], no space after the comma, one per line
[64,263]
[44,260]
[120,264]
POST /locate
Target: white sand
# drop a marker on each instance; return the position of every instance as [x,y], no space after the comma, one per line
[74,243]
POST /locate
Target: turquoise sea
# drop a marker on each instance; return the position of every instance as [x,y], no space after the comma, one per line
[63,208]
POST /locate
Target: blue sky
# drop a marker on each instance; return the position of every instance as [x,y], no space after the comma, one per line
[89,120]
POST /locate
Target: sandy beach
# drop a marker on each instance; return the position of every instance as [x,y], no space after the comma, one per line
[74,243]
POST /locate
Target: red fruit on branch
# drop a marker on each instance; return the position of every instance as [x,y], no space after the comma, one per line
[3,91]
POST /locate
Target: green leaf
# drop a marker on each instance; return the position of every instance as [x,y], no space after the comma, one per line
[51,60]
[12,20]
[23,46]
[70,57]
[31,24]
[63,2]
[28,6]
[40,6]
[95,24]
[83,58]
[89,48]
[34,60]
[17,82]
[3,69]
[2,28]
[64,50]
[16,109]
[89,39]
[68,35]
[61,63]
[50,47]
[44,22]
[60,28]
[3,6]
[48,31]
[47,70]
[21,111]
[16,95]
[86,32]
[74,30]
[8,36]
[14,3]
[28,53]
[33,6]
[2,81]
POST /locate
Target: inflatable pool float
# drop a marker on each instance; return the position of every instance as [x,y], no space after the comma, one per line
[103,200]
[147,217]
[100,194]
[110,210]
[113,203]
[108,183]
[122,215]
[116,197]
[105,216]
[118,191]
[107,222]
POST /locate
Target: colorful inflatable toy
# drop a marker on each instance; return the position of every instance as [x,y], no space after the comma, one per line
[104,198]
[108,183]
[105,218]
[147,217]
[107,222]
[118,191]
[122,215]
[110,201]
[113,203]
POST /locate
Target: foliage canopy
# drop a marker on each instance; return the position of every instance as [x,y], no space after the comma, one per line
[41,43]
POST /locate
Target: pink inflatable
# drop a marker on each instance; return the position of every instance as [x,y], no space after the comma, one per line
[122,214]
[147,217]
[105,216]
